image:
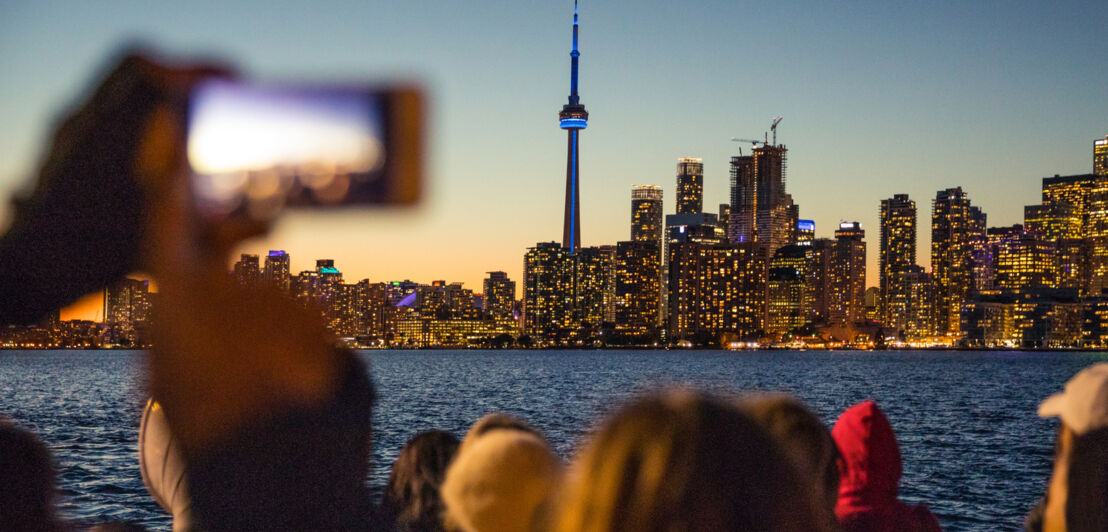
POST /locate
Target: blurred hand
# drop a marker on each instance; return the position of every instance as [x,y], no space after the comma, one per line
[224,355]
[81,226]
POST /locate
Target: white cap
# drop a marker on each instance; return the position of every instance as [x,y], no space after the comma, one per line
[163,467]
[1083,406]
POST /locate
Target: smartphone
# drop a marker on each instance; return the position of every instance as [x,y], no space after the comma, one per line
[255,150]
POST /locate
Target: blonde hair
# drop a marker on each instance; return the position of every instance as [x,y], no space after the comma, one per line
[503,481]
[683,460]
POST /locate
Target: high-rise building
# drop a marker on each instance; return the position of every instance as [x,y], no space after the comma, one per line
[127,304]
[1071,265]
[547,291]
[1100,156]
[790,289]
[378,315]
[1053,221]
[1085,193]
[911,303]
[786,300]
[873,300]
[638,290]
[725,220]
[703,228]
[500,295]
[761,210]
[848,274]
[690,185]
[898,243]
[594,288]
[646,213]
[346,314]
[277,273]
[819,277]
[246,270]
[1025,260]
[805,231]
[957,228]
[573,118]
[127,312]
[716,292]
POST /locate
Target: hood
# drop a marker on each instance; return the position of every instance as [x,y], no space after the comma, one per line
[870,466]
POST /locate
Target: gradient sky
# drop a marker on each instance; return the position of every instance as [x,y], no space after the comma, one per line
[878,98]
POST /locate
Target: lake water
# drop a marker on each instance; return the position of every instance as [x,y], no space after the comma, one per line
[973,448]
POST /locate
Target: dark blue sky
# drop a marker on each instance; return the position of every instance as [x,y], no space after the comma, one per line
[878,98]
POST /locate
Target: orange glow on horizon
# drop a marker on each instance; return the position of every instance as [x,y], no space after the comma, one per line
[89,307]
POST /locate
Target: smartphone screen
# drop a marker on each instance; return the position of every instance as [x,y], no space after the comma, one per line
[258,149]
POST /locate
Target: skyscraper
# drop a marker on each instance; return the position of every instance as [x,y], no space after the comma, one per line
[547,291]
[646,213]
[957,227]
[898,243]
[805,232]
[638,289]
[725,220]
[573,118]
[127,304]
[277,272]
[848,274]
[910,303]
[1025,260]
[819,277]
[593,288]
[789,289]
[1100,156]
[246,270]
[690,185]
[761,210]
[716,291]
[500,295]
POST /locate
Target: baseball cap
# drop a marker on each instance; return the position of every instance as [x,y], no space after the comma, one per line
[1083,405]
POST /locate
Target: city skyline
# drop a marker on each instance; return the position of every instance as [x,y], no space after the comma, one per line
[876,99]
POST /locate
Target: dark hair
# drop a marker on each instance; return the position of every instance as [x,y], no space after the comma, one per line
[803,436]
[26,481]
[686,461]
[411,499]
[1087,484]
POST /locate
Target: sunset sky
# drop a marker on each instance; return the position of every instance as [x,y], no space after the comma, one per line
[878,98]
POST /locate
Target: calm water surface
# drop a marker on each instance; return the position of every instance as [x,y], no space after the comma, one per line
[973,448]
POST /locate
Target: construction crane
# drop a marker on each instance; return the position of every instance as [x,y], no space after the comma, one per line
[753,143]
[773,128]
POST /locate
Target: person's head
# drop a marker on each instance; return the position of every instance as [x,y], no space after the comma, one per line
[498,420]
[501,480]
[26,481]
[869,465]
[683,460]
[412,500]
[803,437]
[1077,497]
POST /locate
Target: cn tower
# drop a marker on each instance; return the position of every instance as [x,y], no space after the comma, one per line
[573,119]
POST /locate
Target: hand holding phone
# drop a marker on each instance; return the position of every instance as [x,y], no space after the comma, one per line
[256,149]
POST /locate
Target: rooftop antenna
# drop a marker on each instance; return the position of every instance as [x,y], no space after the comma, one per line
[774,128]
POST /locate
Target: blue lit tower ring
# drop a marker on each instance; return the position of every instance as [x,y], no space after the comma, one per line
[573,118]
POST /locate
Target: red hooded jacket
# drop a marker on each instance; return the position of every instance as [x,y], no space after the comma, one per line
[869,476]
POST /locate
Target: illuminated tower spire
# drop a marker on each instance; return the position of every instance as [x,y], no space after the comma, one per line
[573,119]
